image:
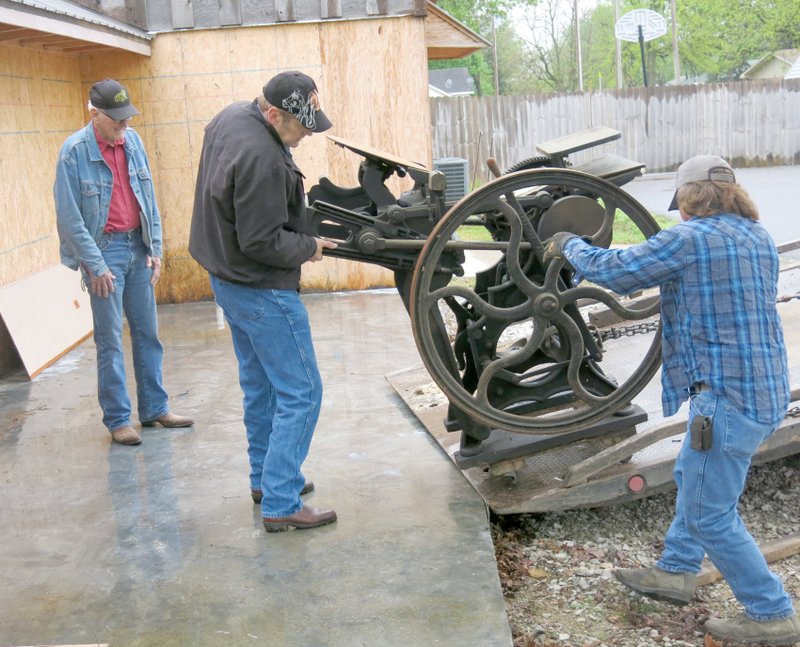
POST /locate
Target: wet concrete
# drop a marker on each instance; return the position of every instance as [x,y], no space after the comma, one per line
[160,544]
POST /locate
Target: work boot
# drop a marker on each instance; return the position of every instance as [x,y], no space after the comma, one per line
[742,629]
[306,517]
[675,588]
[170,420]
[126,435]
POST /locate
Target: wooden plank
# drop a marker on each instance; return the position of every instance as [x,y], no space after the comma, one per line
[230,12]
[285,11]
[46,315]
[581,472]
[331,8]
[16,34]
[376,7]
[182,14]
[773,551]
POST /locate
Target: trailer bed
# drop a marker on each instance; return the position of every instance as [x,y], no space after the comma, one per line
[552,479]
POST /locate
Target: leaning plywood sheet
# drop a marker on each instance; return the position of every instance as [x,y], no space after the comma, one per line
[46,315]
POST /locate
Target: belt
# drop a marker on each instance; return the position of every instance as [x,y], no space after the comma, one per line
[698,387]
[124,234]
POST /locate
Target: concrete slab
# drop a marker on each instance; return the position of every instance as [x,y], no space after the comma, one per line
[160,544]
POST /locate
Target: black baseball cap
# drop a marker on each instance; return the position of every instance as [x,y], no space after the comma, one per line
[296,93]
[111,98]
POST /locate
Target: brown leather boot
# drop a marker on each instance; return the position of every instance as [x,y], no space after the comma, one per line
[169,419]
[306,517]
[126,435]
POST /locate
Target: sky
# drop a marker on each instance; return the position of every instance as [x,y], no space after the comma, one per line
[529,21]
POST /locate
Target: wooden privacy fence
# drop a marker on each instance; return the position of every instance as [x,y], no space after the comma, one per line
[751,123]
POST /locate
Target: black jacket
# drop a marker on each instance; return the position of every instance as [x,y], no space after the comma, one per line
[249,221]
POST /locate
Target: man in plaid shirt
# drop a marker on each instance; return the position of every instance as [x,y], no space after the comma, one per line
[723,349]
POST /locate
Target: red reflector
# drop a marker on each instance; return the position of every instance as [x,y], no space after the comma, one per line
[636,483]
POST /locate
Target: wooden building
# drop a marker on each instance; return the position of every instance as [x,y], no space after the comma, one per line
[182,61]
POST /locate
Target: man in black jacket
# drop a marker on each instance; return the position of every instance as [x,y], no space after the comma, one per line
[250,231]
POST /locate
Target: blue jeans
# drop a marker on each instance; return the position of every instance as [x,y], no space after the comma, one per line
[707,520]
[281,384]
[125,253]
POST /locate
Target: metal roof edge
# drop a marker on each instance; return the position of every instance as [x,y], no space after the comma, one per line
[320,21]
[64,8]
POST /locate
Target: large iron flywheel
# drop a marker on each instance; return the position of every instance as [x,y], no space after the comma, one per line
[514,342]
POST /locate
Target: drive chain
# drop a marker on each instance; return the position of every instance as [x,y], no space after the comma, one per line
[628,331]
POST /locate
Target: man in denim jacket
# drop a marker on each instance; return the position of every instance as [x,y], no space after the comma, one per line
[110,228]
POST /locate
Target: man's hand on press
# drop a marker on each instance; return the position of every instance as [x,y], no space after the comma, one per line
[321,245]
[554,246]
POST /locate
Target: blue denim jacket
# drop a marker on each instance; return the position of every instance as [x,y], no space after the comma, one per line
[82,193]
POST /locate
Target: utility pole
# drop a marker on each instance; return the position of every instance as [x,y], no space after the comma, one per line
[676,61]
[494,56]
[618,47]
[578,43]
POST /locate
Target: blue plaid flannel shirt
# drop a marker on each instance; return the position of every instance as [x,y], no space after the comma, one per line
[718,277]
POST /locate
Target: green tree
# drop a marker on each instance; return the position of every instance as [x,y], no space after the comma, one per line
[549,44]
[479,16]
[598,47]
[718,38]
[512,62]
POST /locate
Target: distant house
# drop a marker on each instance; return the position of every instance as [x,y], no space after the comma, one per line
[774,65]
[451,82]
[794,71]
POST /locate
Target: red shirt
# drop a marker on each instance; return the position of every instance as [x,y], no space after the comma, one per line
[123,212]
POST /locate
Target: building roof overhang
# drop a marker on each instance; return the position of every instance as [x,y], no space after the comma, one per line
[446,37]
[58,25]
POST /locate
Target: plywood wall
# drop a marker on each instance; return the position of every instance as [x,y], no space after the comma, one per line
[370,93]
[40,105]
[373,80]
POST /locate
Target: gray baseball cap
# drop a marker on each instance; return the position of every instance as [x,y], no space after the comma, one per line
[701,168]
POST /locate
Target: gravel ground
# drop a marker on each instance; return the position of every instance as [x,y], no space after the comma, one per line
[556,568]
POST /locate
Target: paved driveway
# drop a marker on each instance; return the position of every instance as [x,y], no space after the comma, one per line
[776,191]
